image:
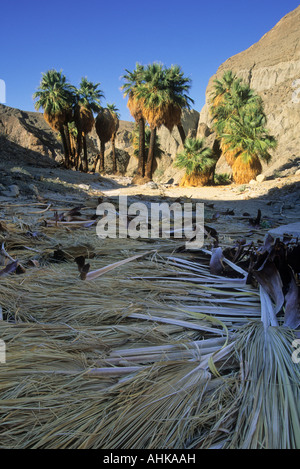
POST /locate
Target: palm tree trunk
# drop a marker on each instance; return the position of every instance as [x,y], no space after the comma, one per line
[141,163]
[114,153]
[85,157]
[65,145]
[102,151]
[150,159]
[78,149]
[68,140]
[181,133]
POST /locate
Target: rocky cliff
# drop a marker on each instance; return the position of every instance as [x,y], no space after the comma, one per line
[272,69]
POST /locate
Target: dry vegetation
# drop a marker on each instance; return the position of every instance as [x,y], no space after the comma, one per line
[140,343]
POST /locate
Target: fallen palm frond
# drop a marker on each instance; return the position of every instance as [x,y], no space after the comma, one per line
[158,349]
[269,411]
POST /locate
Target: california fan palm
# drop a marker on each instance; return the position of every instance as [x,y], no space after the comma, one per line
[132,80]
[106,127]
[88,102]
[247,133]
[162,94]
[55,96]
[198,162]
[239,122]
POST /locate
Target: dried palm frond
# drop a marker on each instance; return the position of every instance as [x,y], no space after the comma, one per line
[269,409]
[243,172]
[135,107]
[197,180]
[159,351]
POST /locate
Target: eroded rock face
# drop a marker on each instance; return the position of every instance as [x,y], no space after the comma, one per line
[272,69]
[26,136]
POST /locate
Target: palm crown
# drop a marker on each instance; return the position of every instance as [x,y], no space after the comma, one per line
[89,95]
[54,94]
[162,91]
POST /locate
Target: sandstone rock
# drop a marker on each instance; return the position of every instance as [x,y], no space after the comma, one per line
[272,68]
[170,142]
[151,185]
[260,178]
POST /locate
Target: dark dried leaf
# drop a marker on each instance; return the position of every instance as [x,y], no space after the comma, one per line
[269,278]
[256,221]
[292,304]
[293,258]
[83,268]
[9,268]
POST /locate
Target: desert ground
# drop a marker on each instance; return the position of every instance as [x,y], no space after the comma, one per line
[277,198]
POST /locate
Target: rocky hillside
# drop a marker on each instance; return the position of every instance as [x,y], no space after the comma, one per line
[26,137]
[272,68]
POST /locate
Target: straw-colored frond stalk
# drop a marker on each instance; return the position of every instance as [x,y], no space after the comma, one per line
[105,125]
[155,116]
[135,107]
[244,171]
[84,119]
[229,154]
[197,180]
[56,121]
[149,349]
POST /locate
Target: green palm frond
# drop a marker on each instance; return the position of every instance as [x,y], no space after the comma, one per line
[247,131]
[239,119]
[89,94]
[132,79]
[54,94]
[195,158]
[113,109]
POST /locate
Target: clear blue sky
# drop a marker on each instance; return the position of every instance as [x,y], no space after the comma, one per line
[99,39]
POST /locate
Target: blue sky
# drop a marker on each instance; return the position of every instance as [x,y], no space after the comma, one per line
[99,39]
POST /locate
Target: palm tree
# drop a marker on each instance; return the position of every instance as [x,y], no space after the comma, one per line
[116,116]
[247,135]
[198,162]
[132,81]
[105,127]
[55,96]
[239,122]
[230,96]
[87,102]
[162,94]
